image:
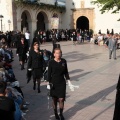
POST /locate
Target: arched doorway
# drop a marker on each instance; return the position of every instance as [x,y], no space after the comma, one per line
[82,23]
[26,20]
[42,21]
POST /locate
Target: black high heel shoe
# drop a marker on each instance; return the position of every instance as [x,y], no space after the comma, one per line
[34,87]
[61,117]
[57,116]
[39,91]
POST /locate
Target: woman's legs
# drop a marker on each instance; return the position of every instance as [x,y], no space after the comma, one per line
[55,100]
[34,84]
[22,65]
[39,82]
[61,106]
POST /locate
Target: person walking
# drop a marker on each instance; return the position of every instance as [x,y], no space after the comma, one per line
[22,49]
[112,46]
[27,37]
[57,76]
[74,38]
[36,64]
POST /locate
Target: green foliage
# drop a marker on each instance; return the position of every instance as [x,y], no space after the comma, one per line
[107,5]
[37,5]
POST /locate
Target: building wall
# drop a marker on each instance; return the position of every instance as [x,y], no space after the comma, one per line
[6,11]
[67,22]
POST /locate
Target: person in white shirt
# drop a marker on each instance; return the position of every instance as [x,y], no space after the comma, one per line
[27,37]
[100,38]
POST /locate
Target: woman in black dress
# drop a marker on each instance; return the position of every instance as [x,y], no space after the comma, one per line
[57,76]
[22,49]
[36,64]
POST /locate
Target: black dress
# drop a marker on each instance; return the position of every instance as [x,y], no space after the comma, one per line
[36,63]
[57,72]
[22,50]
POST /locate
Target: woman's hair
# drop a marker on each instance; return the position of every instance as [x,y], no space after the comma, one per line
[35,43]
[32,46]
[57,49]
[22,37]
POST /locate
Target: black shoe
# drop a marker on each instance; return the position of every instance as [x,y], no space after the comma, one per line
[109,58]
[34,87]
[28,81]
[39,91]
[115,58]
[57,116]
[61,117]
[22,68]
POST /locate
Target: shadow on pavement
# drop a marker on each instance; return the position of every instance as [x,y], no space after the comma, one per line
[75,56]
[88,101]
[77,77]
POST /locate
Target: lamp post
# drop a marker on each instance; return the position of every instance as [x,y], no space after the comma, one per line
[1,16]
[9,22]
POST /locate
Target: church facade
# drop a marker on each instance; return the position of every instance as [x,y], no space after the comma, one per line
[62,14]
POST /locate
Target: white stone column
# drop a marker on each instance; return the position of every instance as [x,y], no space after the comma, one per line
[32,28]
[19,24]
[48,26]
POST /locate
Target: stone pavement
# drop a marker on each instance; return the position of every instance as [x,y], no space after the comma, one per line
[90,68]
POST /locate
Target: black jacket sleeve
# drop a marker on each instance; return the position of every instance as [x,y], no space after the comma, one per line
[49,72]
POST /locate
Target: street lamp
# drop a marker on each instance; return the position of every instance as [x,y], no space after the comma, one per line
[9,22]
[1,16]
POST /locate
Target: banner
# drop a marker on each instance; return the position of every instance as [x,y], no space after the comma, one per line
[54,23]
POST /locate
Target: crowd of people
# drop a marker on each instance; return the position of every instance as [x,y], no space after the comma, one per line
[12,102]
[54,35]
[41,63]
[60,35]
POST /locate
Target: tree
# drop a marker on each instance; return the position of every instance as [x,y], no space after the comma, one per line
[107,5]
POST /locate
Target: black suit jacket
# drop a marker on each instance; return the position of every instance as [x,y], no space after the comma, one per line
[35,59]
[22,49]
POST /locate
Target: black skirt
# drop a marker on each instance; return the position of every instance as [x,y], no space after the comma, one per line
[37,73]
[58,91]
[22,57]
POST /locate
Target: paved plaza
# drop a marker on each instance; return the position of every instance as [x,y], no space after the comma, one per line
[90,68]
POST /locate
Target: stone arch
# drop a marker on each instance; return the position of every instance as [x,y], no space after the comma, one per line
[26,20]
[87,12]
[42,20]
[82,23]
